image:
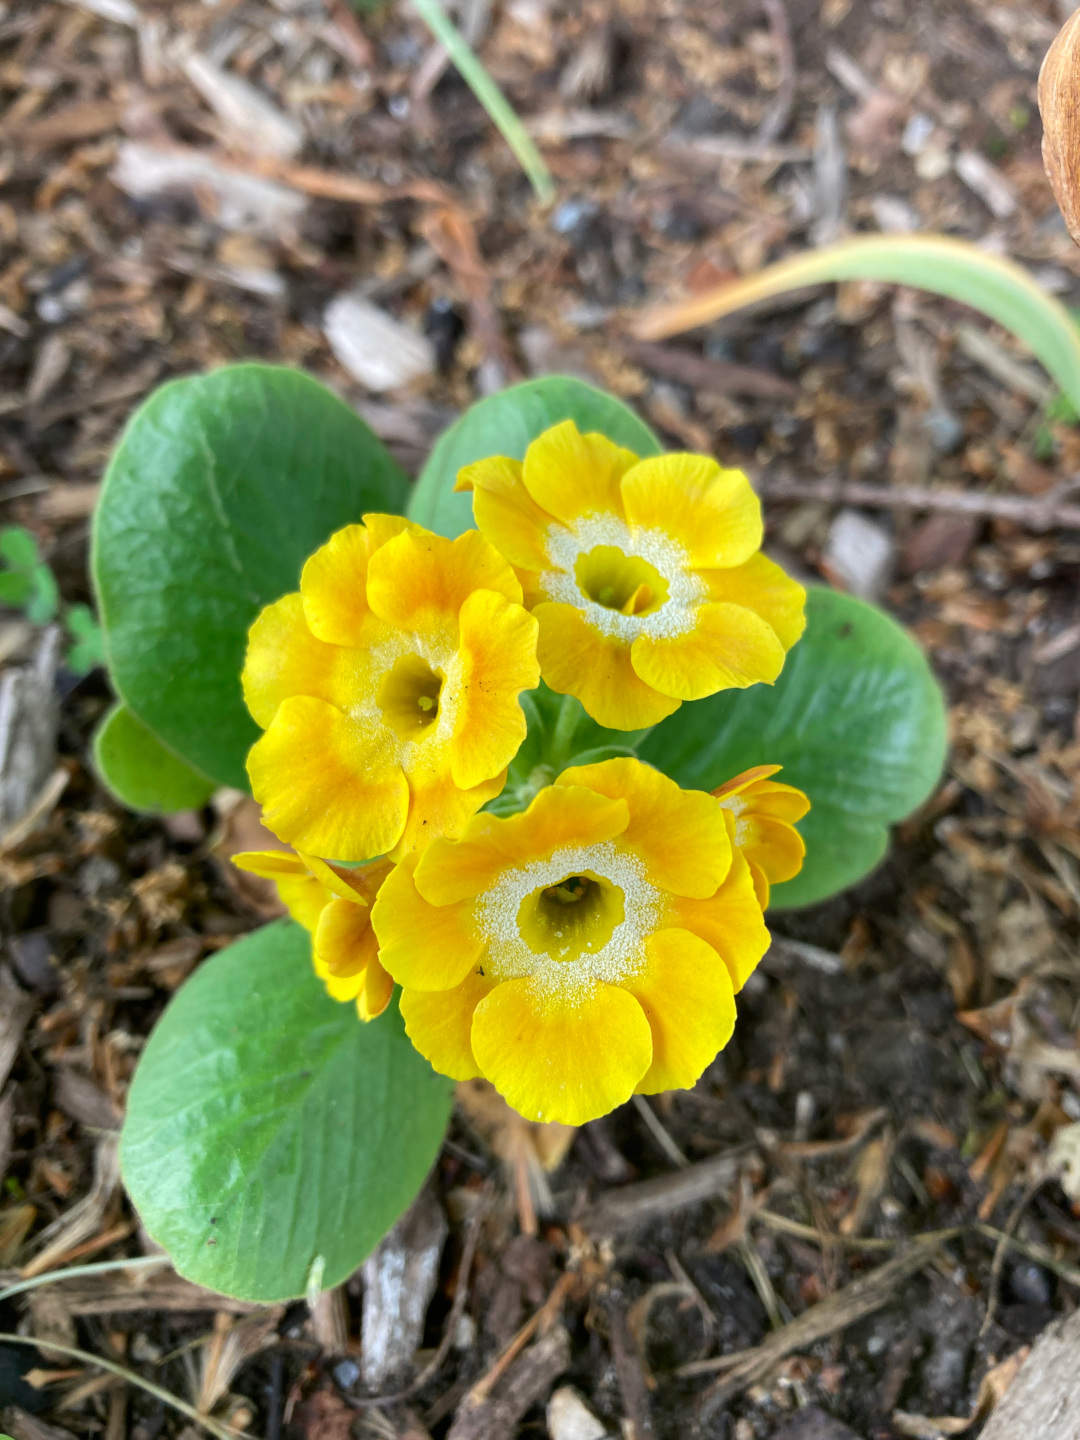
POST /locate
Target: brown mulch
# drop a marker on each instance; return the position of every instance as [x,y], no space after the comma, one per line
[908,1052]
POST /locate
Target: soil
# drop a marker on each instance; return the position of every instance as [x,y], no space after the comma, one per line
[908,1052]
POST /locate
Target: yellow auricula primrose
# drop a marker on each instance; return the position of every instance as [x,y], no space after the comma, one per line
[335,905]
[765,812]
[583,950]
[646,576]
[388,690]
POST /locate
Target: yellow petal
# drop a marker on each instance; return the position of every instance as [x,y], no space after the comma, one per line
[326,784]
[761,884]
[712,513]
[449,871]
[685,992]
[344,942]
[764,588]
[739,783]
[497,649]
[300,892]
[782,802]
[440,1026]
[382,528]
[438,807]
[505,512]
[332,584]
[731,921]
[571,475]
[270,864]
[284,658]
[423,946]
[553,1061]
[773,844]
[575,660]
[680,834]
[419,581]
[729,647]
[375,996]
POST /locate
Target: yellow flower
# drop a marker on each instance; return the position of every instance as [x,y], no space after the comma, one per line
[764,813]
[335,905]
[580,951]
[388,689]
[645,575]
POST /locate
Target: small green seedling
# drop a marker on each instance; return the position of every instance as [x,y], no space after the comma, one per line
[28,583]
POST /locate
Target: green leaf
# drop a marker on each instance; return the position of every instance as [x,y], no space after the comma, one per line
[937,263]
[269,1129]
[140,771]
[18,547]
[856,719]
[560,734]
[44,598]
[15,587]
[220,489]
[506,424]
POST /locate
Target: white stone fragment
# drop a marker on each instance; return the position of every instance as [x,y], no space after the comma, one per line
[400,1276]
[242,202]
[569,1418]
[381,352]
[255,122]
[860,553]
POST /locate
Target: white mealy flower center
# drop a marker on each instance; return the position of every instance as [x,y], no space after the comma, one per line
[686,591]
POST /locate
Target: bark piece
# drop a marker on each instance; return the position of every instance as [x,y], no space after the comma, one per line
[1044,1399]
[400,1276]
[525,1384]
[29,715]
[636,1204]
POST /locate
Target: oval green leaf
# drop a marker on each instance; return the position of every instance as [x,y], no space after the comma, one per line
[220,489]
[271,1136]
[140,771]
[856,719]
[938,263]
[506,424]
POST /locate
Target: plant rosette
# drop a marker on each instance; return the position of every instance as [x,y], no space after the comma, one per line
[540,746]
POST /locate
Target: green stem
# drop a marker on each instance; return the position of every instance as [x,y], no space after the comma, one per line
[562,739]
[491,98]
[222,1432]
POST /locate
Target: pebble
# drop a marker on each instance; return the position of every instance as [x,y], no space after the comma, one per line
[378,350]
[569,1418]
[860,553]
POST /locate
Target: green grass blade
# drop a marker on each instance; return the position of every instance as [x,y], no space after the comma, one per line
[937,263]
[490,96]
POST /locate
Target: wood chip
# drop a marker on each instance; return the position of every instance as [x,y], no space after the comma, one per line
[237,201]
[620,1210]
[253,121]
[16,1007]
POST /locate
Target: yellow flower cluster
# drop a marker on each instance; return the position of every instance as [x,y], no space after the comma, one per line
[590,947]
